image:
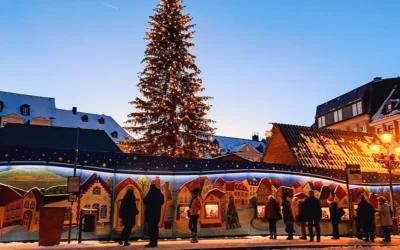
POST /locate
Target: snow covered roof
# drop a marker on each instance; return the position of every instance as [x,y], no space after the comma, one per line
[39,106]
[66,118]
[231,145]
[391,98]
[326,148]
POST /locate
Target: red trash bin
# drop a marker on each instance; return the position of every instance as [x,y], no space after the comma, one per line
[51,223]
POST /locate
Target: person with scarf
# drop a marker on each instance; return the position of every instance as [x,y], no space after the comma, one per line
[127,213]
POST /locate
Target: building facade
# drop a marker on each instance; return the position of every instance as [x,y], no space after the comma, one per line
[37,110]
[371,108]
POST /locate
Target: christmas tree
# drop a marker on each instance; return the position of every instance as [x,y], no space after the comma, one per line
[232,215]
[170,116]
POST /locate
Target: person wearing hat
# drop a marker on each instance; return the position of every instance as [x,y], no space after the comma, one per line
[334,217]
[365,213]
[194,213]
[312,211]
[385,217]
[288,218]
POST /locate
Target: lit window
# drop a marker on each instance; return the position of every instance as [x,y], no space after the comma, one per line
[354,129]
[359,108]
[378,130]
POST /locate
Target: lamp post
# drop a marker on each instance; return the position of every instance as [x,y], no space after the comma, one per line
[387,161]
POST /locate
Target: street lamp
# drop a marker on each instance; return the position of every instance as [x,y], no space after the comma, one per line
[387,161]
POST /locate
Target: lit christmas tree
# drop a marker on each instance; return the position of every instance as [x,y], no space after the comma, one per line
[171,115]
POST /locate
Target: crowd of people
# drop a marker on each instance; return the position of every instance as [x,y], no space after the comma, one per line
[304,213]
[308,212]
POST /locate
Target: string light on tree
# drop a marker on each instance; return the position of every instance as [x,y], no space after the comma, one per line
[171,116]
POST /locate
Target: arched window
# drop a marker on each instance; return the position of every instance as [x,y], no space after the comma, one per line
[26,204]
[96,191]
[103,212]
[33,205]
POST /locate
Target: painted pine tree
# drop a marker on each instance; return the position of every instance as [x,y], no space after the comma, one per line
[232,215]
[170,116]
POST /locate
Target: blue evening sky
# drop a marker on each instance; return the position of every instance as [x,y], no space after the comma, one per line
[262,60]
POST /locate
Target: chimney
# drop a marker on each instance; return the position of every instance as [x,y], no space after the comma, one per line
[255,136]
[378,79]
[74,110]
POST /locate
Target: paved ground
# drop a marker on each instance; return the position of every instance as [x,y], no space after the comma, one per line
[253,242]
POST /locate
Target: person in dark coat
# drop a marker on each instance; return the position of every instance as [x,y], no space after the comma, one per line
[313,214]
[127,213]
[334,219]
[300,219]
[288,217]
[366,212]
[153,202]
[272,214]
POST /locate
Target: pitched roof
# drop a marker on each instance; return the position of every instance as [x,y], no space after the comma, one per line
[377,90]
[216,192]
[253,181]
[231,157]
[231,145]
[220,181]
[39,106]
[39,196]
[233,185]
[65,118]
[392,97]
[90,181]
[327,148]
[8,195]
[265,181]
[55,137]
[344,99]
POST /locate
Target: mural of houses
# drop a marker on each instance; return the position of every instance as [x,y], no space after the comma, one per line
[301,196]
[341,196]
[239,192]
[204,184]
[61,200]
[214,209]
[120,191]
[297,188]
[324,195]
[281,190]
[220,183]
[264,190]
[32,201]
[10,206]
[95,194]
[165,222]
[252,185]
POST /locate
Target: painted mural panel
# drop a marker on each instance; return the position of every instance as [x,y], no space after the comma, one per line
[232,203]
[24,189]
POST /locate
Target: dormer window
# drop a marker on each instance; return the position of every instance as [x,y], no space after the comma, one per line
[114,134]
[1,106]
[85,118]
[25,109]
[101,120]
[389,107]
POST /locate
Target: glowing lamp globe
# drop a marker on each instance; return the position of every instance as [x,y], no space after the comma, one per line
[375,148]
[386,138]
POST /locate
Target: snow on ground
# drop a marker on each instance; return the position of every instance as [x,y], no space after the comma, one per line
[256,242]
